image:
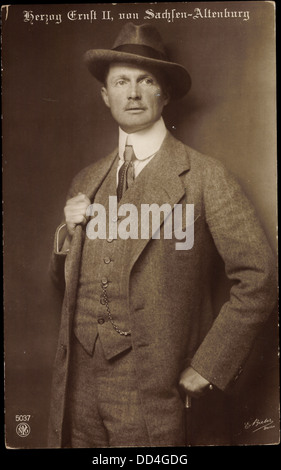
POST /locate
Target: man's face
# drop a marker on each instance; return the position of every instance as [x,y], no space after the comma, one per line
[134,95]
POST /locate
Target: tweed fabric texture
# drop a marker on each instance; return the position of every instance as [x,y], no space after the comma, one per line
[104,408]
[173,315]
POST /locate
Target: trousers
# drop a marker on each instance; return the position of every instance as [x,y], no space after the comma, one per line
[103,403]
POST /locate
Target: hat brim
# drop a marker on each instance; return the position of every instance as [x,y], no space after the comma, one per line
[178,77]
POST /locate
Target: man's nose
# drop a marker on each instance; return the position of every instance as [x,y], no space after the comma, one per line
[134,92]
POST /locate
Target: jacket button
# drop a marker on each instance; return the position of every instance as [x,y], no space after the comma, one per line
[107,260]
[101,321]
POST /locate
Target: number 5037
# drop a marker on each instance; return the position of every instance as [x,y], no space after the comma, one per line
[22,417]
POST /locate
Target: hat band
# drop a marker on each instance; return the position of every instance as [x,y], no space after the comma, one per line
[144,51]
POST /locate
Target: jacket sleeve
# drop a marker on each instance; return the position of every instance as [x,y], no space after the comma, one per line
[249,264]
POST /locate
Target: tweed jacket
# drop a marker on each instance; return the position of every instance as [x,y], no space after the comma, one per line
[174,320]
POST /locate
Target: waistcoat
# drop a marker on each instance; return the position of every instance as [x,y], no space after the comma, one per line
[103,263]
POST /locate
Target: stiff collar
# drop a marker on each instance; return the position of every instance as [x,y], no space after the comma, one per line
[145,142]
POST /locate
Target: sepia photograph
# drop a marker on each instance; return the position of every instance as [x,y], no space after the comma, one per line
[140,226]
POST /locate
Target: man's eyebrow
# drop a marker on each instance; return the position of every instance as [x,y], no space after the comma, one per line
[126,77]
[118,77]
[145,75]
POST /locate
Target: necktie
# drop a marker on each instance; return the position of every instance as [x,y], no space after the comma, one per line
[126,172]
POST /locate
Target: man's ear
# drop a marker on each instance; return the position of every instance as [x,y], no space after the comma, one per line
[166,97]
[105,96]
[163,92]
[166,94]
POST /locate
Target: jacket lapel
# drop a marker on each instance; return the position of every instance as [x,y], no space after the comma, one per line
[95,174]
[159,183]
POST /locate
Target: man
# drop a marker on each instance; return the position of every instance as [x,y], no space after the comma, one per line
[139,329]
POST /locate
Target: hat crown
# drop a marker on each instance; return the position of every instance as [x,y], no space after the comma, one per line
[142,35]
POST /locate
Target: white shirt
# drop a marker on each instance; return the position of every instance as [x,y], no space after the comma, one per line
[146,144]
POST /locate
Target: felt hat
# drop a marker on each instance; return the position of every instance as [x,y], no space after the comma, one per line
[142,46]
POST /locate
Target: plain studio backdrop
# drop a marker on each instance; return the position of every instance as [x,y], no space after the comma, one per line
[55,123]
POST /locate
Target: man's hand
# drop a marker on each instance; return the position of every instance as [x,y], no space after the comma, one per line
[192,383]
[75,212]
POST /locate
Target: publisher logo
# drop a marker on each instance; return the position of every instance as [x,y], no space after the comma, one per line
[23,429]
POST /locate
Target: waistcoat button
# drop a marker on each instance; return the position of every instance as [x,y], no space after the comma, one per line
[101,321]
[104,281]
[107,260]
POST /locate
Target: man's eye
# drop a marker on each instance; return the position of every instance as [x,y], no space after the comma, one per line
[120,82]
[147,81]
